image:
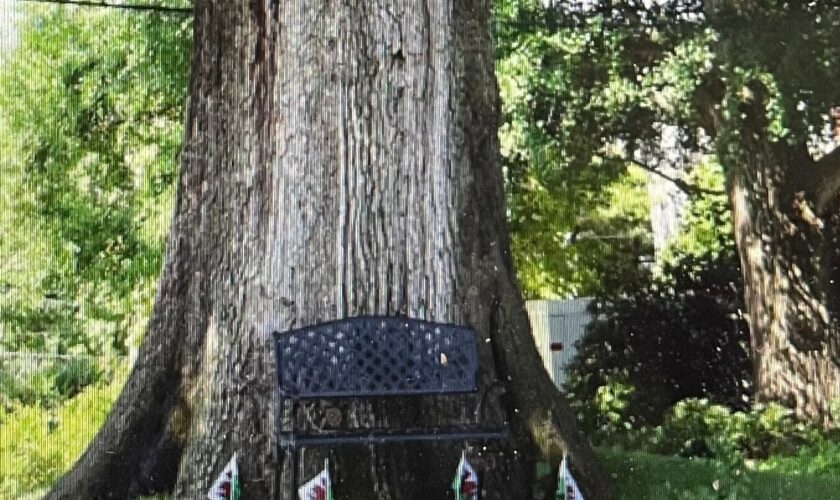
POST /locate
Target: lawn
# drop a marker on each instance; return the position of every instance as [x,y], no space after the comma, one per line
[641,476]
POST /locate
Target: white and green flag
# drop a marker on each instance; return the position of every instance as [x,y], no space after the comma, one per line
[567,488]
[319,487]
[465,483]
[226,486]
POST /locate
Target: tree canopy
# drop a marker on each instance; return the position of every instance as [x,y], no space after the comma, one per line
[591,89]
[588,92]
[91,128]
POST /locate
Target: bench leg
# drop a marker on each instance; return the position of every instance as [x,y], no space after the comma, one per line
[293,450]
[295,466]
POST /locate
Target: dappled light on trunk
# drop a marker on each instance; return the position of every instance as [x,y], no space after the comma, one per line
[788,254]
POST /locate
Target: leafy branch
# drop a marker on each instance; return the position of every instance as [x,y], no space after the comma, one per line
[686,187]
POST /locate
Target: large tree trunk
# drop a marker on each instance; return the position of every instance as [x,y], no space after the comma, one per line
[785,221]
[788,249]
[340,159]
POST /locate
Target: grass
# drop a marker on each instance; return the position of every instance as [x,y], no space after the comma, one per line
[641,476]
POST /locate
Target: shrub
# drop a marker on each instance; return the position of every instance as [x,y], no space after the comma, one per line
[667,337]
[821,458]
[698,428]
[27,387]
[693,426]
[38,444]
[46,381]
[75,374]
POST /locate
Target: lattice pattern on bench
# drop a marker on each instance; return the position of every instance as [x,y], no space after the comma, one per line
[374,356]
[370,356]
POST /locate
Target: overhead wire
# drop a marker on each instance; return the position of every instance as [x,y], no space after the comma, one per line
[111,5]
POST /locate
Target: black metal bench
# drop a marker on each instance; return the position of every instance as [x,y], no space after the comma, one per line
[375,356]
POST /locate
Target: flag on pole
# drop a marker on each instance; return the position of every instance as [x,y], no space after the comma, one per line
[226,486]
[567,488]
[319,487]
[465,483]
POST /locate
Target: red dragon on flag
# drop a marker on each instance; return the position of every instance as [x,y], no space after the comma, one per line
[319,487]
[465,483]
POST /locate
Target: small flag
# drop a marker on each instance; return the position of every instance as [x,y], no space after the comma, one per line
[567,488]
[465,483]
[226,486]
[319,487]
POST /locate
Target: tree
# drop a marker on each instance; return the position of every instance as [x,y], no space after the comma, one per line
[666,338]
[668,333]
[338,160]
[749,84]
[573,216]
[783,194]
[90,120]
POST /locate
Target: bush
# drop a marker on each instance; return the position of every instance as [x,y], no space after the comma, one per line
[75,374]
[695,428]
[637,475]
[46,381]
[821,458]
[38,444]
[665,337]
[31,387]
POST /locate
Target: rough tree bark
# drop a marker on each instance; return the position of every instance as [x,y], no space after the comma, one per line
[340,158]
[787,242]
[785,219]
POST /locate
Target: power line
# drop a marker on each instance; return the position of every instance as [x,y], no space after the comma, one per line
[123,6]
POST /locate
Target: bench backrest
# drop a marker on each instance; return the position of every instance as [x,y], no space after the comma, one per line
[376,356]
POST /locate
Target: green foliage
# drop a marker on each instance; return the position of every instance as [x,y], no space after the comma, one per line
[819,459]
[706,227]
[732,481]
[659,339]
[695,427]
[560,89]
[789,54]
[74,375]
[28,388]
[612,402]
[37,444]
[767,435]
[90,128]
[47,381]
[584,94]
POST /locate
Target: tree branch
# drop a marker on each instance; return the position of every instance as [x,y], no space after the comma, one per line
[826,180]
[685,187]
